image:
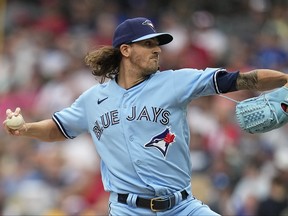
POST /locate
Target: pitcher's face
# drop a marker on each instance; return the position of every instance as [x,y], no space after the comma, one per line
[145,56]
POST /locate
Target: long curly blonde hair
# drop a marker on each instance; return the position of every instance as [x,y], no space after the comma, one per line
[104,62]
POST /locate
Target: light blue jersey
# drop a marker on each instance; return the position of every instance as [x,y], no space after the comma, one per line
[141,133]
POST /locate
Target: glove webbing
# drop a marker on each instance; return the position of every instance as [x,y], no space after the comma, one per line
[255,114]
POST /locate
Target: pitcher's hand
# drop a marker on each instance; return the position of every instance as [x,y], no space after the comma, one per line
[15,126]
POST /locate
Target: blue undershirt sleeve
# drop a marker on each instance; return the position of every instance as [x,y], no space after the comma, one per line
[226,81]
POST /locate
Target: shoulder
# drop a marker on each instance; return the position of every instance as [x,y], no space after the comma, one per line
[191,70]
[166,73]
[94,89]
[187,72]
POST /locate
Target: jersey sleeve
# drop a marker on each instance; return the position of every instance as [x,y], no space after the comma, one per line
[72,121]
[192,83]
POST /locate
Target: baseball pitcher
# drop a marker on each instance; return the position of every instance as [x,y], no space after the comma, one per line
[137,120]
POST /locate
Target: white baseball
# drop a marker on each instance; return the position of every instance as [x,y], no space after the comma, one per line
[15,122]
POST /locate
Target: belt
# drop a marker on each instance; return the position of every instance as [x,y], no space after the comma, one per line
[155,204]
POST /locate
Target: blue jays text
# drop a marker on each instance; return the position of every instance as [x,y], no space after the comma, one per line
[154,114]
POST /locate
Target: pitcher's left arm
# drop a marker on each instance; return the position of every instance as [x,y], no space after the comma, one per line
[261,80]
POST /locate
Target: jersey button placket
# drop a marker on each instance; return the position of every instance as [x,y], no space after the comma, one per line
[125,96]
[131,138]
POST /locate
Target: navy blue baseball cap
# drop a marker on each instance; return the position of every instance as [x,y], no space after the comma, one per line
[138,29]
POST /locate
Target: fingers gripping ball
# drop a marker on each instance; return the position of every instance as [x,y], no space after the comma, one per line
[263,113]
[15,122]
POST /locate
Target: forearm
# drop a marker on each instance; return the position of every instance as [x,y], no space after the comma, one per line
[261,80]
[45,130]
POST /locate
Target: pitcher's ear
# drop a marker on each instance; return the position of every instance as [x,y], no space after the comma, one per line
[125,49]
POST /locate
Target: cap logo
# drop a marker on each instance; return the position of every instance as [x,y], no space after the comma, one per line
[149,23]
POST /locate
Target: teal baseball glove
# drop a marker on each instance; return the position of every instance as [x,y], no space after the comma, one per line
[263,113]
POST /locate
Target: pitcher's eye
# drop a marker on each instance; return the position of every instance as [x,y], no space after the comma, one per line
[150,43]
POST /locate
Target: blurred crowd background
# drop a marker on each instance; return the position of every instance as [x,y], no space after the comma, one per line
[43,43]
